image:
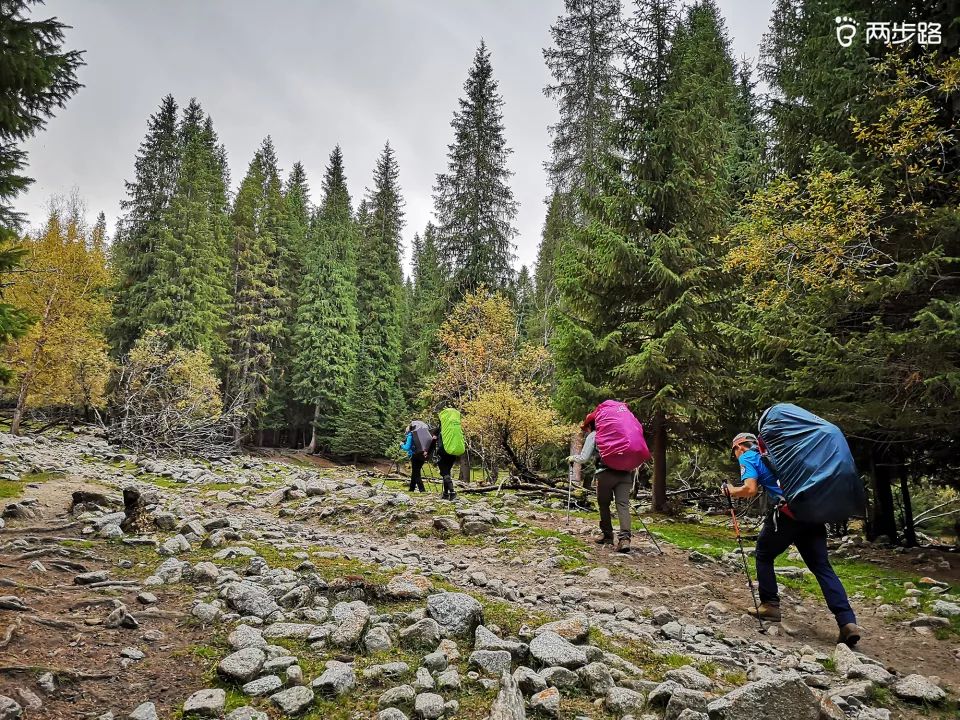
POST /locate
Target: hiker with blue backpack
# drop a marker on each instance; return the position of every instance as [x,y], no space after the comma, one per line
[805,467]
[616,437]
[417,444]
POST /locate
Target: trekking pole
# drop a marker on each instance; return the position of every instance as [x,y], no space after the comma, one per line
[647,530]
[743,556]
[569,488]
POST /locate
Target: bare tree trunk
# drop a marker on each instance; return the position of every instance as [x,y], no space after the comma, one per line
[659,463]
[576,445]
[909,531]
[312,447]
[465,468]
[883,521]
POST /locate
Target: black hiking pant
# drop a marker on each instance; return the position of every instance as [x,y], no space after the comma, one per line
[416,469]
[811,542]
[445,464]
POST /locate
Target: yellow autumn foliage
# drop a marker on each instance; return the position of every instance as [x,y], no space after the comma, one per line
[62,284]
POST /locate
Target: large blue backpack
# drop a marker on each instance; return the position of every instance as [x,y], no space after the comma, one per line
[813,463]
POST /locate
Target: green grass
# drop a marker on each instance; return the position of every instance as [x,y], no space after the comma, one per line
[10,489]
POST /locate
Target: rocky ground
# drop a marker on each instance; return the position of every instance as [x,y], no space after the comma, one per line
[254,588]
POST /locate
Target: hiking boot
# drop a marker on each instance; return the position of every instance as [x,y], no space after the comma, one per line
[623,545]
[768,611]
[604,540]
[849,635]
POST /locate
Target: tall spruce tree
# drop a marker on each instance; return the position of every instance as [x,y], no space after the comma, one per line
[283,414]
[556,229]
[427,302]
[643,282]
[188,286]
[587,42]
[375,404]
[473,200]
[149,195]
[325,331]
[259,303]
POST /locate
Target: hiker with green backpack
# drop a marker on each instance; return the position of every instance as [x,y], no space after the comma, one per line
[450,445]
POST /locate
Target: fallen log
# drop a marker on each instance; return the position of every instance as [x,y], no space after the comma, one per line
[56,672]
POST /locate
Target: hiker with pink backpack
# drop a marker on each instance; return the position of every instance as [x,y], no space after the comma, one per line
[616,436]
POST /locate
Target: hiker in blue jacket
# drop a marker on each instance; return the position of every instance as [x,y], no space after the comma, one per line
[417,459]
[780,531]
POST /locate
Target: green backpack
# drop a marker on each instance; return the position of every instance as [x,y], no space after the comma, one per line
[451,433]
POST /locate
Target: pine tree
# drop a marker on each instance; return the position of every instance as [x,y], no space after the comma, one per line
[375,405]
[524,305]
[38,77]
[188,287]
[427,303]
[556,229]
[282,412]
[259,303]
[583,62]
[643,281]
[473,201]
[149,195]
[325,332]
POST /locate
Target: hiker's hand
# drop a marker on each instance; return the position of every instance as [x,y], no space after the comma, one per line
[725,489]
[571,459]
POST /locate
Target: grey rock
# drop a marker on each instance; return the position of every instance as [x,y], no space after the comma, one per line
[623,701]
[690,678]
[294,700]
[338,679]
[575,628]
[205,572]
[449,679]
[242,665]
[276,664]
[684,699]
[529,682]
[289,631]
[428,706]
[247,713]
[549,649]
[919,689]
[10,709]
[486,640]
[509,703]
[424,680]
[423,633]
[560,677]
[435,661]
[546,702]
[206,613]
[377,640]
[29,699]
[792,698]
[596,678]
[408,586]
[944,608]
[491,662]
[262,686]
[351,627]
[844,659]
[206,703]
[391,714]
[660,695]
[402,695]
[249,599]
[690,714]
[873,673]
[144,711]
[244,636]
[457,613]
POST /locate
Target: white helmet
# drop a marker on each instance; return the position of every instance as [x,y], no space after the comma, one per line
[744,438]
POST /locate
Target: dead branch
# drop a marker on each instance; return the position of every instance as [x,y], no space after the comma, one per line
[40,529]
[8,633]
[50,622]
[56,672]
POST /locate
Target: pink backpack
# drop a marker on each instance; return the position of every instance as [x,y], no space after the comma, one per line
[619,436]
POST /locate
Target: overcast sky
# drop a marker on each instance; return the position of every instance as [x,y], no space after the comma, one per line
[311,73]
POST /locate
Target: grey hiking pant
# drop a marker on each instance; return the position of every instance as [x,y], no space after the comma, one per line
[614,484]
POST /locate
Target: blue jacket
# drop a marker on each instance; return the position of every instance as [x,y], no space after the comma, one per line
[408,445]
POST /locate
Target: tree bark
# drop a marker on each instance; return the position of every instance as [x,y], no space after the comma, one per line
[883,520]
[909,531]
[659,452]
[576,471]
[465,469]
[312,447]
